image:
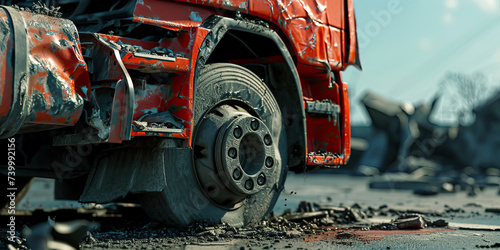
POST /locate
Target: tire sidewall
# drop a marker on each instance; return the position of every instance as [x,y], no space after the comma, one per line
[208,94]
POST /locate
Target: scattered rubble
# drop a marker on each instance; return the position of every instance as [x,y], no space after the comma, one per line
[410,221]
[309,221]
[127,227]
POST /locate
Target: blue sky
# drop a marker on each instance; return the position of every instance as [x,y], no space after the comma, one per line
[407,46]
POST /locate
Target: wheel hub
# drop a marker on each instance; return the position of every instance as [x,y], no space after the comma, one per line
[244,156]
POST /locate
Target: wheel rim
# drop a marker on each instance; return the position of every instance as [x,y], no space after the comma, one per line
[235,156]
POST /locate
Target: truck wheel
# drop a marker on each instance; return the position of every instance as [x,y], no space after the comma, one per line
[239,154]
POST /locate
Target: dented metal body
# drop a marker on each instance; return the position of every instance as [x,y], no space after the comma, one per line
[101,73]
[44,77]
[320,32]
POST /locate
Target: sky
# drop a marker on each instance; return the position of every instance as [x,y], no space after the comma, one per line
[408,46]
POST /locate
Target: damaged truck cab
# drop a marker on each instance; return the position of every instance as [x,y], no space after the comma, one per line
[196,109]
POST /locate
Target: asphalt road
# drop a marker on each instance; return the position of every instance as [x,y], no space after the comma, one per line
[469,225]
[348,190]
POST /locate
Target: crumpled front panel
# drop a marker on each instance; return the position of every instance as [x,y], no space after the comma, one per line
[313,27]
[58,74]
[53,79]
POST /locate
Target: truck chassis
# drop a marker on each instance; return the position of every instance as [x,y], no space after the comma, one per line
[196,109]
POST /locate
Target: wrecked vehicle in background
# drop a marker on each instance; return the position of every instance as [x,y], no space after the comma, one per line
[403,139]
[194,109]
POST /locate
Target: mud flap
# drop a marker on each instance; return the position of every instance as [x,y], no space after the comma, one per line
[130,170]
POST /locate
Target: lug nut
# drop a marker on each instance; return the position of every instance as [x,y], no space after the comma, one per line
[269,162]
[268,140]
[237,174]
[232,153]
[254,124]
[249,184]
[237,132]
[261,180]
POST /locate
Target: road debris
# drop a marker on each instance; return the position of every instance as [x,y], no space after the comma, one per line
[310,221]
[492,210]
[413,222]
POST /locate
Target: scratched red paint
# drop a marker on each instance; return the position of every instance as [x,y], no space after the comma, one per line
[180,83]
[315,28]
[50,52]
[181,65]
[320,36]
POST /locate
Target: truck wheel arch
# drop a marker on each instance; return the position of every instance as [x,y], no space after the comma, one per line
[288,92]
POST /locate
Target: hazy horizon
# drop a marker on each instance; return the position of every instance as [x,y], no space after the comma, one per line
[407,47]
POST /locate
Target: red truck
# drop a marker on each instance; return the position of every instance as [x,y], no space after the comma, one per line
[197,109]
